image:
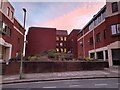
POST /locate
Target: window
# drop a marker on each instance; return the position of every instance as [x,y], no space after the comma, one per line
[118,28]
[1,4]
[91,40]
[61,44]
[81,43]
[115,29]
[92,55]
[9,31]
[1,25]
[99,19]
[64,44]
[65,38]
[96,21]
[4,27]
[98,37]
[8,11]
[65,50]
[105,34]
[57,38]
[103,15]
[106,53]
[18,40]
[100,55]
[91,26]
[114,7]
[61,50]
[57,49]
[61,38]
[11,15]
[57,44]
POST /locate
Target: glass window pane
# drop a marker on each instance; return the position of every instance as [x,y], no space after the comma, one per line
[57,44]
[61,44]
[118,28]
[65,50]
[61,50]
[113,28]
[57,49]
[61,38]
[64,38]
[57,38]
[8,11]
[114,7]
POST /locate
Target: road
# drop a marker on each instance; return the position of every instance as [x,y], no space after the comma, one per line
[76,83]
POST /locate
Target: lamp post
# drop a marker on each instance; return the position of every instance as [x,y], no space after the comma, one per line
[21,62]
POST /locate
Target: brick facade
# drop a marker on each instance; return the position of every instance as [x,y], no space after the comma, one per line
[40,40]
[11,33]
[72,42]
[100,38]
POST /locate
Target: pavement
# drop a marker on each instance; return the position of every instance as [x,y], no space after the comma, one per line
[112,72]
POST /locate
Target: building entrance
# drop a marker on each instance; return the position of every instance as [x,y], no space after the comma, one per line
[4,53]
[116,56]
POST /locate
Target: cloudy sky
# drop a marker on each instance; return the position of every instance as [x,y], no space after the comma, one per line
[60,15]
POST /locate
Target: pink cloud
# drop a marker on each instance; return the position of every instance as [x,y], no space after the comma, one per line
[75,19]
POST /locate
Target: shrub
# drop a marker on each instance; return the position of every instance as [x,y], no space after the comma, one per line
[88,59]
[51,54]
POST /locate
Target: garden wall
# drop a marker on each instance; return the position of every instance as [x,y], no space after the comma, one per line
[52,66]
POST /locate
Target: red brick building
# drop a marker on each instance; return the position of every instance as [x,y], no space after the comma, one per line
[61,40]
[72,43]
[40,40]
[100,38]
[11,32]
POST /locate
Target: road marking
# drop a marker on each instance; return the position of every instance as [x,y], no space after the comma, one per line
[101,84]
[74,85]
[50,87]
[11,84]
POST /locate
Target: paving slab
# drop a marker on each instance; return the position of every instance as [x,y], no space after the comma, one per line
[60,76]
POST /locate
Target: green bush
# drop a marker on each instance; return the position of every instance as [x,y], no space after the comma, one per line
[88,59]
[51,56]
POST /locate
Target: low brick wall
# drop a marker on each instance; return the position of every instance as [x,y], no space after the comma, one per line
[52,66]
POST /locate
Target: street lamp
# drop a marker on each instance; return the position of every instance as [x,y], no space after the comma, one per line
[21,62]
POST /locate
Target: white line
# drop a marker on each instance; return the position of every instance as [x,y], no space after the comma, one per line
[50,87]
[18,30]
[101,84]
[22,83]
[74,85]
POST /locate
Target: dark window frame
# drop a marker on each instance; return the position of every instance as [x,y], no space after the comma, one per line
[116,30]
[91,40]
[12,14]
[8,11]
[98,37]
[114,7]
[1,3]
[18,40]
[105,34]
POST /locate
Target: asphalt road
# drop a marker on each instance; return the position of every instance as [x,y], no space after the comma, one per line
[79,83]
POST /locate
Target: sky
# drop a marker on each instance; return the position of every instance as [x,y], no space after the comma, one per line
[60,15]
